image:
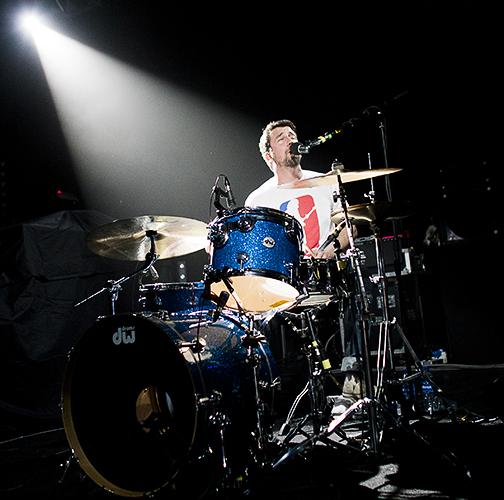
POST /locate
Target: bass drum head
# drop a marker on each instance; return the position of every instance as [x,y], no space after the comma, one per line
[129,405]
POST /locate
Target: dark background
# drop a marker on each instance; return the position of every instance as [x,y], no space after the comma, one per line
[430,68]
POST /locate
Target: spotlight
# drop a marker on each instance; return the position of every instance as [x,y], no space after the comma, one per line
[31,21]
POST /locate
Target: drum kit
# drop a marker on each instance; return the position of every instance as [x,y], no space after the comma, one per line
[182,393]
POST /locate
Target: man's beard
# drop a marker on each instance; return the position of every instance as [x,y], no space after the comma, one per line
[292,161]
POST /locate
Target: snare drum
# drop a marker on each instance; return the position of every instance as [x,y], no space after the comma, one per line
[259,250]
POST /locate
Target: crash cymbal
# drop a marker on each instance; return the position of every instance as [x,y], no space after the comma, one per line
[375,212]
[128,239]
[346,176]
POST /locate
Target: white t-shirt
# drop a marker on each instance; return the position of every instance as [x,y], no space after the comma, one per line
[312,207]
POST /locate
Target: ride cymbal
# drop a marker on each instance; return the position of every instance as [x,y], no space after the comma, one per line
[375,212]
[130,239]
[346,176]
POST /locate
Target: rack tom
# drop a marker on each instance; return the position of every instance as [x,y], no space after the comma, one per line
[258,250]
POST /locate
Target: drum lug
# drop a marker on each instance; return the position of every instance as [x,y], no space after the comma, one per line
[276,384]
[219,236]
[142,301]
[204,401]
[292,231]
[245,224]
[242,257]
[197,345]
[290,267]
[220,419]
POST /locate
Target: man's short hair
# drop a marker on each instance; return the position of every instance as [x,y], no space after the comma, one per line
[264,141]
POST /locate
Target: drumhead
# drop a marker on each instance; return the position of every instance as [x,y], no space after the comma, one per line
[129,405]
[258,294]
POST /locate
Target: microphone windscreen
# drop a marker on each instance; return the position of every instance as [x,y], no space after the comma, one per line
[294,148]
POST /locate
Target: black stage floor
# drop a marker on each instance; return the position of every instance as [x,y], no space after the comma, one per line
[428,459]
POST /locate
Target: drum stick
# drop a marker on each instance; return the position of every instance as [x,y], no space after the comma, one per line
[309,250]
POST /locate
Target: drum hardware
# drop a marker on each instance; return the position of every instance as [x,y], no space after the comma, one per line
[363,312]
[314,386]
[196,346]
[218,193]
[420,372]
[114,286]
[221,422]
[318,367]
[212,276]
[251,341]
[375,214]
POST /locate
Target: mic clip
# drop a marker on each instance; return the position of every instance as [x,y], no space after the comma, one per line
[226,193]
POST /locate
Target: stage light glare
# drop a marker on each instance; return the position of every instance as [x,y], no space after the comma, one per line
[31,21]
[138,142]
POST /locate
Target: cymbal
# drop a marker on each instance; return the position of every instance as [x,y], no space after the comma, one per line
[346,176]
[375,212]
[128,239]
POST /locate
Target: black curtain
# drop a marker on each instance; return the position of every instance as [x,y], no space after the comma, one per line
[45,269]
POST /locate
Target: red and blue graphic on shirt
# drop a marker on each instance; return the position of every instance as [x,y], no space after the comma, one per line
[303,209]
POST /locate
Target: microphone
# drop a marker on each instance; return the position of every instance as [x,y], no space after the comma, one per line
[229,194]
[296,148]
[332,237]
[221,302]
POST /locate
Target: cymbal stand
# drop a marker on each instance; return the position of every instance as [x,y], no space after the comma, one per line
[385,359]
[368,403]
[363,313]
[115,285]
[385,353]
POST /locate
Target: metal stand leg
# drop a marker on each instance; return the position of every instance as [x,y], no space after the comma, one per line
[318,364]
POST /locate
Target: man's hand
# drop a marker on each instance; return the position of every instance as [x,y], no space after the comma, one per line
[329,252]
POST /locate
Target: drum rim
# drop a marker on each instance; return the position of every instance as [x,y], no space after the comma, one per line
[177,285]
[264,273]
[263,210]
[69,427]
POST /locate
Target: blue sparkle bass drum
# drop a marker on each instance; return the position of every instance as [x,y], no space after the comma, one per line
[258,250]
[148,398]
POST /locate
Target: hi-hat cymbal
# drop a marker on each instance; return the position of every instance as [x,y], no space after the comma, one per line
[375,212]
[346,176]
[129,239]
